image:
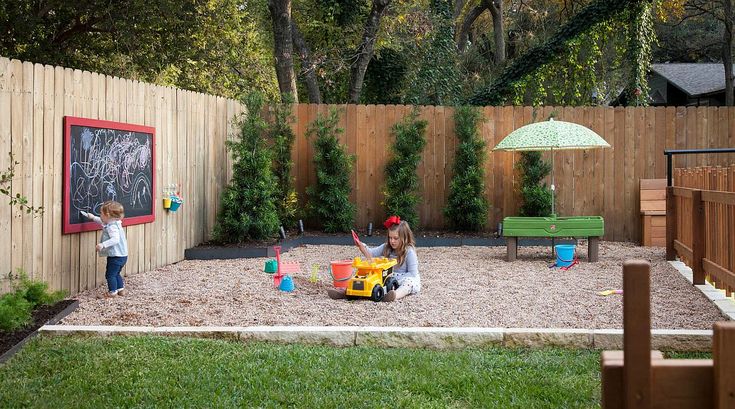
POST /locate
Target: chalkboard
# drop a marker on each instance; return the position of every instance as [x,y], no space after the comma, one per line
[105,160]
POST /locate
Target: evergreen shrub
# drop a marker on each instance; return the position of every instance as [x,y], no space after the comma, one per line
[15,312]
[248,210]
[467,206]
[16,307]
[402,183]
[535,195]
[329,199]
[282,137]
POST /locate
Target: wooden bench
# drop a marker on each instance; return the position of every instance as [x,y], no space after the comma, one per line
[653,212]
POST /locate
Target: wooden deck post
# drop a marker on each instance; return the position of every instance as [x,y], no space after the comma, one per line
[670,223]
[637,334]
[698,239]
[723,354]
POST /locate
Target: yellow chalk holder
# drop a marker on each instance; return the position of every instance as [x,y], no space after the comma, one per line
[166,202]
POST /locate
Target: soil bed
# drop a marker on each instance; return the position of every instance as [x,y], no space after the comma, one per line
[469,286]
[41,316]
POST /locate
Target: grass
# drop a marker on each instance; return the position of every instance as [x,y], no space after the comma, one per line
[186,372]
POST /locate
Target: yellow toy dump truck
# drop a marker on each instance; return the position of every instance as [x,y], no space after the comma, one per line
[373,278]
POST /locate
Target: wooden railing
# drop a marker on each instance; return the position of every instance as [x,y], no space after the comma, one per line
[700,230]
[638,377]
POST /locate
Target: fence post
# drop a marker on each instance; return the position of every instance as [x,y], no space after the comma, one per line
[698,239]
[723,352]
[637,334]
[670,223]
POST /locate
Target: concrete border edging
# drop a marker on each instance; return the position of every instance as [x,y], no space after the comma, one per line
[725,304]
[411,337]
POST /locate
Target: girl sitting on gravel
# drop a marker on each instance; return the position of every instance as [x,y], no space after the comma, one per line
[400,245]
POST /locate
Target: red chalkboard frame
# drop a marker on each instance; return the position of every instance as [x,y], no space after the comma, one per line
[69,121]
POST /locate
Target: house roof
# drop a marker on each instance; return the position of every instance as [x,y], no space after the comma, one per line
[693,78]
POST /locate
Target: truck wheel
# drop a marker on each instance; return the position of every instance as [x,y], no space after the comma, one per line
[391,284]
[378,293]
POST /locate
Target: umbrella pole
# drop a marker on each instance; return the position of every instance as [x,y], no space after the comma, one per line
[553,188]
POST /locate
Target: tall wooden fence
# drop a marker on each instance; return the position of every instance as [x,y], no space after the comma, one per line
[191,129]
[190,132]
[700,224]
[589,182]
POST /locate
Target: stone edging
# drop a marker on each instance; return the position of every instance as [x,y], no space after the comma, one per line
[12,351]
[724,303]
[416,337]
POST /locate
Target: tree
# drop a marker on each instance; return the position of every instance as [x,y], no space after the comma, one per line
[217,46]
[280,11]
[436,80]
[596,12]
[535,195]
[689,38]
[248,209]
[467,206]
[366,49]
[308,66]
[496,10]
[720,10]
[401,181]
[282,137]
[329,198]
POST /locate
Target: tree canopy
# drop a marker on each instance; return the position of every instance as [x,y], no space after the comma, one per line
[373,51]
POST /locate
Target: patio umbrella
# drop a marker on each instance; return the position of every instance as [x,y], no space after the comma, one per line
[551,135]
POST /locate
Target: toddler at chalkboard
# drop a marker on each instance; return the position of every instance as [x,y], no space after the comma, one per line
[112,245]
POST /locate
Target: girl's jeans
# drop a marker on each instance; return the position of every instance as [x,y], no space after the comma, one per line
[114,279]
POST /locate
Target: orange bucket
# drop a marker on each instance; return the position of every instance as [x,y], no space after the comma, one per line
[341,272]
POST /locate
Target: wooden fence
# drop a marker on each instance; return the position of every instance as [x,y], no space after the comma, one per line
[700,223]
[190,129]
[589,182]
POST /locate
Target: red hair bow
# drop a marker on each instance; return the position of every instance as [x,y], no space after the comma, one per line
[392,221]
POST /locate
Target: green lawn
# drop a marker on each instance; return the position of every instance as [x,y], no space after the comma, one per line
[183,372]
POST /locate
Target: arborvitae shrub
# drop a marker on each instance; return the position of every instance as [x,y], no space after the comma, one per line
[402,183]
[248,210]
[535,195]
[283,138]
[467,206]
[329,198]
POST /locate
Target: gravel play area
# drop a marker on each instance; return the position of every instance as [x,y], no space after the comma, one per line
[461,287]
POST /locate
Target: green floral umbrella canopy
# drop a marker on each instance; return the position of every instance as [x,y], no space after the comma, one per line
[551,135]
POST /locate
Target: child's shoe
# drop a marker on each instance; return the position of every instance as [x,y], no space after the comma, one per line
[122,292]
[106,295]
[390,296]
[336,294]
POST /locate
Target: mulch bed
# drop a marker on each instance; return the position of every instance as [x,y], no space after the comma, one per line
[41,316]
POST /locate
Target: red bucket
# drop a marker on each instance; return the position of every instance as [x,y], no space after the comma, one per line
[341,272]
